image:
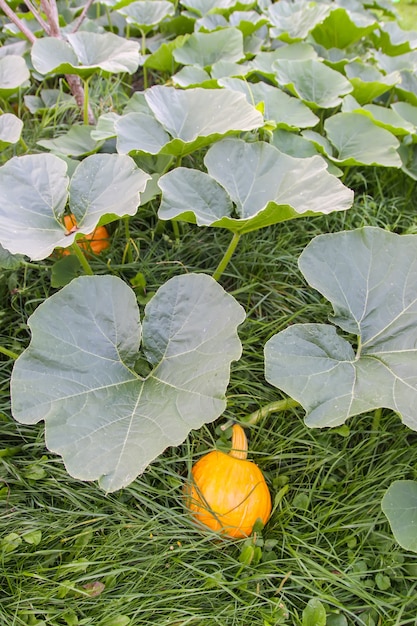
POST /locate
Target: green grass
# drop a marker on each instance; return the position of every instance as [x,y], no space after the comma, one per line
[72,555]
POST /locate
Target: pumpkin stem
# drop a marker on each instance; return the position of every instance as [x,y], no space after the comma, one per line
[239,443]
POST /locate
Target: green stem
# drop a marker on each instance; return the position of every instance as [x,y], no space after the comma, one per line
[128,250]
[86,103]
[227,256]
[36,266]
[109,20]
[176,230]
[9,353]
[24,144]
[376,422]
[75,248]
[145,69]
[10,451]
[345,173]
[273,407]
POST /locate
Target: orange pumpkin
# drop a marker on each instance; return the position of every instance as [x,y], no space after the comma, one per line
[228,493]
[95,242]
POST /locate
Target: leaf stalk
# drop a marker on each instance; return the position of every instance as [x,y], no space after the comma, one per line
[273,407]
[81,257]
[226,257]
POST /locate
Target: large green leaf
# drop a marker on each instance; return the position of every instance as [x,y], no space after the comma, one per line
[407,87]
[10,129]
[162,59]
[407,112]
[85,53]
[286,111]
[311,80]
[211,22]
[76,142]
[344,27]
[370,277]
[264,185]
[394,40]
[34,194]
[202,7]
[368,83]
[359,141]
[193,76]
[138,132]
[388,64]
[389,118]
[400,506]
[293,21]
[192,117]
[204,49]
[247,22]
[13,74]
[301,146]
[263,62]
[147,13]
[48,99]
[107,421]
[9,261]
[408,154]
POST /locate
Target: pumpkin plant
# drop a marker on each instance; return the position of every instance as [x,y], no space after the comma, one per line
[227,492]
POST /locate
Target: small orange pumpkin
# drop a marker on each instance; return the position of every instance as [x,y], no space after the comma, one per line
[95,242]
[228,493]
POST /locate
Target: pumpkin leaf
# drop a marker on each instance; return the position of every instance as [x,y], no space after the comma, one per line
[391,119]
[107,422]
[293,21]
[368,83]
[370,277]
[359,141]
[146,14]
[85,53]
[10,129]
[193,76]
[48,99]
[193,118]
[162,59]
[34,190]
[76,142]
[204,49]
[285,111]
[408,112]
[394,40]
[400,507]
[247,21]
[264,185]
[13,74]
[263,62]
[139,132]
[312,81]
[65,270]
[343,27]
[9,261]
[202,7]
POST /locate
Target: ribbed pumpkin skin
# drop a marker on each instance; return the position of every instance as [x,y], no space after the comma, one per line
[95,242]
[228,494]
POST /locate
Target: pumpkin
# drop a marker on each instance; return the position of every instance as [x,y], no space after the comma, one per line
[95,242]
[227,492]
